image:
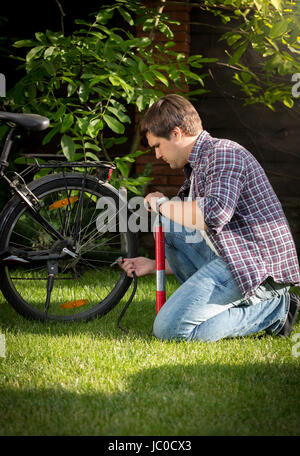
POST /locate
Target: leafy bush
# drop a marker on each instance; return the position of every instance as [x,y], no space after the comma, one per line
[270,29]
[86,82]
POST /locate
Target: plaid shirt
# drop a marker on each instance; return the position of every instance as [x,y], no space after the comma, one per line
[244,217]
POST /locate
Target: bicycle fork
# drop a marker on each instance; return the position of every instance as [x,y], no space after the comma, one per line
[52,266]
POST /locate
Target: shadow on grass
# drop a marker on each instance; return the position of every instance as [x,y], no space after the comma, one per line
[198,399]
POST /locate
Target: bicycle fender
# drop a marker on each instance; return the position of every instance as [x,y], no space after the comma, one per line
[122,196]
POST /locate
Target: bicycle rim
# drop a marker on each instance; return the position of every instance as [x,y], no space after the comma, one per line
[85,285]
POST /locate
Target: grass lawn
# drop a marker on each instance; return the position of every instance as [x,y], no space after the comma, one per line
[92,379]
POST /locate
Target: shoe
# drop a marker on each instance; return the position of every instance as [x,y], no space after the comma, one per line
[291,316]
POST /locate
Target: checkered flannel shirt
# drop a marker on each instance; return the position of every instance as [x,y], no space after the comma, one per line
[245,220]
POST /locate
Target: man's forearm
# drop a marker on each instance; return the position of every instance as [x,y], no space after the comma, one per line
[184,213]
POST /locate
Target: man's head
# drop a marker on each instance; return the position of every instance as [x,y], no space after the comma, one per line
[171,126]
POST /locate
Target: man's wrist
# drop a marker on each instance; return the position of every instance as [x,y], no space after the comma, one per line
[160,202]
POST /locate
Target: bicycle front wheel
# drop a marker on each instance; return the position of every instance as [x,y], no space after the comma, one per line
[87,216]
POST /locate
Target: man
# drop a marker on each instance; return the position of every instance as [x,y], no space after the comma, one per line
[227,239]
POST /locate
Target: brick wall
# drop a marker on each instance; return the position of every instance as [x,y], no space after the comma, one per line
[167,180]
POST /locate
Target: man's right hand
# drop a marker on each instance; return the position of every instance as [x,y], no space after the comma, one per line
[140,265]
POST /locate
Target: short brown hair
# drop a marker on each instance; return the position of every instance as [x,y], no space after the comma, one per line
[167,113]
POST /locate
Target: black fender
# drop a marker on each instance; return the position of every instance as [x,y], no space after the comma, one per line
[15,200]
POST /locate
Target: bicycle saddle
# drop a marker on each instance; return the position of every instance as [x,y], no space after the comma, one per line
[31,121]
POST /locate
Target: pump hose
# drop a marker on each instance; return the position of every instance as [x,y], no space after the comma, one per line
[128,303]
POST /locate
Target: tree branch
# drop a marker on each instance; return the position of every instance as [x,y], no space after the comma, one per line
[62,15]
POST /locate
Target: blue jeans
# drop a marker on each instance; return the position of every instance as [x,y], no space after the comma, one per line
[208,304]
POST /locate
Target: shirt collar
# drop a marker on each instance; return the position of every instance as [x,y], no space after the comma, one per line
[197,149]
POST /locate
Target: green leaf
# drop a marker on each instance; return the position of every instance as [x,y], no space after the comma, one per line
[233,38]
[49,67]
[59,113]
[94,127]
[279,29]
[161,77]
[246,76]
[140,102]
[127,158]
[92,156]
[51,134]
[67,123]
[91,146]
[119,114]
[142,67]
[114,124]
[165,29]
[277,4]
[238,54]
[132,188]
[71,86]
[83,92]
[34,53]
[148,77]
[170,44]
[49,52]
[41,37]
[137,153]
[122,167]
[126,16]
[68,147]
[24,43]
[289,102]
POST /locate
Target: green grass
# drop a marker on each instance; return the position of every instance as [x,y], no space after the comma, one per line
[91,379]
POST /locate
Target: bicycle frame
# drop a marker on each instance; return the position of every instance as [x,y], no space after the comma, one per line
[19,187]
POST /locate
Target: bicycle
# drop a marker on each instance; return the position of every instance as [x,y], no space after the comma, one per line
[56,262]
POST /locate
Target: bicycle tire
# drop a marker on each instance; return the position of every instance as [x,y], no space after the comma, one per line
[88,284]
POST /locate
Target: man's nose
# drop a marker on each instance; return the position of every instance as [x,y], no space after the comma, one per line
[157,153]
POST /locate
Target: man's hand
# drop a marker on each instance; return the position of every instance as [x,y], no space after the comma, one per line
[151,199]
[140,265]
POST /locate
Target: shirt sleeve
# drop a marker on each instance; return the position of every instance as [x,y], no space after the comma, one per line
[225,177]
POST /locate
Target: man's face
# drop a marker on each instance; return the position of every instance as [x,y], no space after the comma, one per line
[170,150]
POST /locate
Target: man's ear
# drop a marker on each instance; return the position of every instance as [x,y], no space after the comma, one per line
[177,133]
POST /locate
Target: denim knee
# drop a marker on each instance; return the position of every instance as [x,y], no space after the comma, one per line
[165,329]
[158,329]
[162,329]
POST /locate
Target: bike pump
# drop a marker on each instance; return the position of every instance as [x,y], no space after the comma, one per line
[159,265]
[160,258]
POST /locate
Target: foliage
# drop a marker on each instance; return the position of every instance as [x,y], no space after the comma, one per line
[270,29]
[86,82]
[90,82]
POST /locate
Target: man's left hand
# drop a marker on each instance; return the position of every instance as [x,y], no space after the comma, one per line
[151,199]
